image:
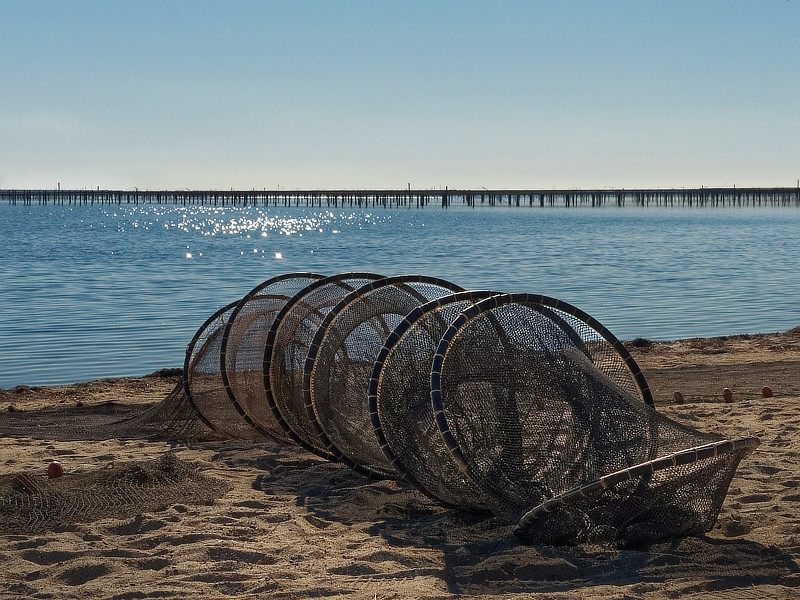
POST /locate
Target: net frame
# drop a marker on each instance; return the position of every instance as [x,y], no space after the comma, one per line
[284,332]
[591,490]
[545,306]
[316,371]
[430,467]
[407,472]
[201,343]
[246,325]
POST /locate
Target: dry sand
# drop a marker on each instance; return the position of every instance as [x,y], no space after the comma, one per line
[294,526]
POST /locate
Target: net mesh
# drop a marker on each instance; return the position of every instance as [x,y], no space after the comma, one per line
[340,361]
[674,496]
[204,388]
[241,352]
[527,413]
[401,410]
[287,345]
[153,416]
[32,503]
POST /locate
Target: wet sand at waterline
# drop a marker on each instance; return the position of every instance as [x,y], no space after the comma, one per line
[287,524]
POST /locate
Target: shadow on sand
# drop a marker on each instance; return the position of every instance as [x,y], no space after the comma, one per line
[480,554]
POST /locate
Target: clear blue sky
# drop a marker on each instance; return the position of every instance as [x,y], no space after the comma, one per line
[323,94]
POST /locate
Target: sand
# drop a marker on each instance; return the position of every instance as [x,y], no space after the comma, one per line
[291,525]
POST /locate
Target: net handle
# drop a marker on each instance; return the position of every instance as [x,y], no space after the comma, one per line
[676,459]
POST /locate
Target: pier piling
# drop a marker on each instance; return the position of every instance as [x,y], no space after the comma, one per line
[685,197]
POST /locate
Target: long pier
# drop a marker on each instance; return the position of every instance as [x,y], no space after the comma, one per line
[681,197]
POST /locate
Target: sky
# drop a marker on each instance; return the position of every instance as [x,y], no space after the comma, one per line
[318,94]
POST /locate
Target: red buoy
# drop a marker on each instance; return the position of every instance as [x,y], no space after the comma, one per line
[54,470]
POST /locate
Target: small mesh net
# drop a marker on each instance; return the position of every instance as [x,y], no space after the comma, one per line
[203,383]
[528,413]
[673,496]
[241,352]
[32,503]
[286,348]
[340,361]
[154,416]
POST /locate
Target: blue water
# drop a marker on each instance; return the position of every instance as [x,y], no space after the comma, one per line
[106,291]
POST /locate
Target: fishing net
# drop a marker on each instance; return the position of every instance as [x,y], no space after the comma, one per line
[513,405]
[400,404]
[400,391]
[340,360]
[203,385]
[676,495]
[286,348]
[172,419]
[145,414]
[241,353]
[528,412]
[31,503]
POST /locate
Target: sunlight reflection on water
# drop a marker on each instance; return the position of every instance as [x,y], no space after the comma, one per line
[97,291]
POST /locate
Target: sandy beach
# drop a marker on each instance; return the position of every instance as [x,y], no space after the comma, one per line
[271,521]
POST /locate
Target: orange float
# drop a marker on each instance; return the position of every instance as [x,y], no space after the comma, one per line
[54,470]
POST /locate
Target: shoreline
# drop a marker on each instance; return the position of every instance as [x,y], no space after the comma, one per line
[293,525]
[741,347]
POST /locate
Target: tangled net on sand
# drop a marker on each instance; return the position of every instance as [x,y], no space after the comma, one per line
[31,503]
[516,405]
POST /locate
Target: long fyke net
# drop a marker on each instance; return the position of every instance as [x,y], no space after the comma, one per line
[513,404]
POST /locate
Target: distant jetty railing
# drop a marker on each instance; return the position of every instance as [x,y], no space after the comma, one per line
[699,197]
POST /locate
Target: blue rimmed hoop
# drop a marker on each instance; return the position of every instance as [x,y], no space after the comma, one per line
[342,422]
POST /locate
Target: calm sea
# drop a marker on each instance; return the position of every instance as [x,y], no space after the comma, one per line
[105,291]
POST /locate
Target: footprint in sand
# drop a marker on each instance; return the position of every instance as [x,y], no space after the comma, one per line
[139,524]
[49,557]
[83,573]
[753,498]
[232,554]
